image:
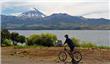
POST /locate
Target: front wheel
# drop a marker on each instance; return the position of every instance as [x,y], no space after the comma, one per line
[62,56]
[77,56]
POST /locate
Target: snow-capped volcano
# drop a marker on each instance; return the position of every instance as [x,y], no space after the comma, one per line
[35,13]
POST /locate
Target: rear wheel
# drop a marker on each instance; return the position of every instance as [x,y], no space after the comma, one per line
[62,56]
[77,56]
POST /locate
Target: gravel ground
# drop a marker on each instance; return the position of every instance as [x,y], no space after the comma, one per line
[46,55]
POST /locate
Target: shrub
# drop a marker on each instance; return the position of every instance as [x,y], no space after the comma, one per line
[5,34]
[7,42]
[14,36]
[32,39]
[21,38]
[48,39]
[44,39]
[103,47]
[88,45]
[76,42]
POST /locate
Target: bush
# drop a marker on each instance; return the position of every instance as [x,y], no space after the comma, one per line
[44,39]
[88,45]
[21,38]
[5,34]
[103,47]
[7,42]
[14,36]
[48,39]
[76,42]
[32,39]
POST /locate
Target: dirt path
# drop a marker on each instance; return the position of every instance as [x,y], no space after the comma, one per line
[49,56]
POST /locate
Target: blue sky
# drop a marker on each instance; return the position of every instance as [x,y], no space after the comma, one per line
[12,10]
[86,8]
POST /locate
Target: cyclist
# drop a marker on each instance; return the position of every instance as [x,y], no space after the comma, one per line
[70,44]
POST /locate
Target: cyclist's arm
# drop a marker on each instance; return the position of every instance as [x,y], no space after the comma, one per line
[65,42]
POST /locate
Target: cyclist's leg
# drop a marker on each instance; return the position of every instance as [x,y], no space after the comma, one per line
[72,49]
[72,59]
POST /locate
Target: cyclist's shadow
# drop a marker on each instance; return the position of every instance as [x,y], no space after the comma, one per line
[75,62]
[71,62]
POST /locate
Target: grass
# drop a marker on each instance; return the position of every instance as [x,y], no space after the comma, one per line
[26,46]
[83,45]
[103,47]
[86,44]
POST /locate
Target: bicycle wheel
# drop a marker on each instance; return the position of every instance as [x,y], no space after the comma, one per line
[62,56]
[77,56]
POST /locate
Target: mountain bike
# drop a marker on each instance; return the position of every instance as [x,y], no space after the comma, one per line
[75,55]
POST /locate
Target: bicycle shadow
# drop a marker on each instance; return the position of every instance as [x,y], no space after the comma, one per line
[71,62]
[75,62]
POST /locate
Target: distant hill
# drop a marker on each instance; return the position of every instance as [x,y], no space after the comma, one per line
[60,21]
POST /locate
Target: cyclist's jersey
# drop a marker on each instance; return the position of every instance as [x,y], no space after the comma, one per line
[70,43]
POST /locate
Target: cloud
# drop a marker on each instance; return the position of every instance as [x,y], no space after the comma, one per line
[102,15]
[59,0]
[16,14]
[74,8]
[95,12]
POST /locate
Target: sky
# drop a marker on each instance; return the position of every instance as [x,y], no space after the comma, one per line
[85,8]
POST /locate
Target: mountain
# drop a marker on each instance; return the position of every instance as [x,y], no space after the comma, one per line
[59,21]
[32,14]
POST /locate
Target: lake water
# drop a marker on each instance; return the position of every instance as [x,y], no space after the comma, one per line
[100,37]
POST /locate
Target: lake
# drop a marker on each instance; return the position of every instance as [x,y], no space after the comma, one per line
[100,37]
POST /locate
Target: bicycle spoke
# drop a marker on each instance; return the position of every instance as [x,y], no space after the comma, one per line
[62,56]
[77,56]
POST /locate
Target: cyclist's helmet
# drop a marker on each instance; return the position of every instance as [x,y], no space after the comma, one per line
[66,36]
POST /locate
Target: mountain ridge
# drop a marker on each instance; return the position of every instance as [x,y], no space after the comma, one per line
[56,21]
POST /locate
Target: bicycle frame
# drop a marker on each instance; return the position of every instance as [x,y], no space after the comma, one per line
[68,51]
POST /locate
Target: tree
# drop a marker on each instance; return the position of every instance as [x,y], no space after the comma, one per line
[5,34]
[14,36]
[21,39]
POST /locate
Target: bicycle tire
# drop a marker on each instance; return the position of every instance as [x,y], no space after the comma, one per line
[62,56]
[77,56]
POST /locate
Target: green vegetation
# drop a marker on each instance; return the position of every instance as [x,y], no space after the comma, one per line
[21,38]
[8,39]
[26,46]
[40,40]
[5,34]
[76,42]
[13,37]
[6,42]
[86,44]
[45,39]
[103,47]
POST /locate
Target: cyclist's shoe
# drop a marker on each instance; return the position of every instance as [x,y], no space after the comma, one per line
[74,62]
